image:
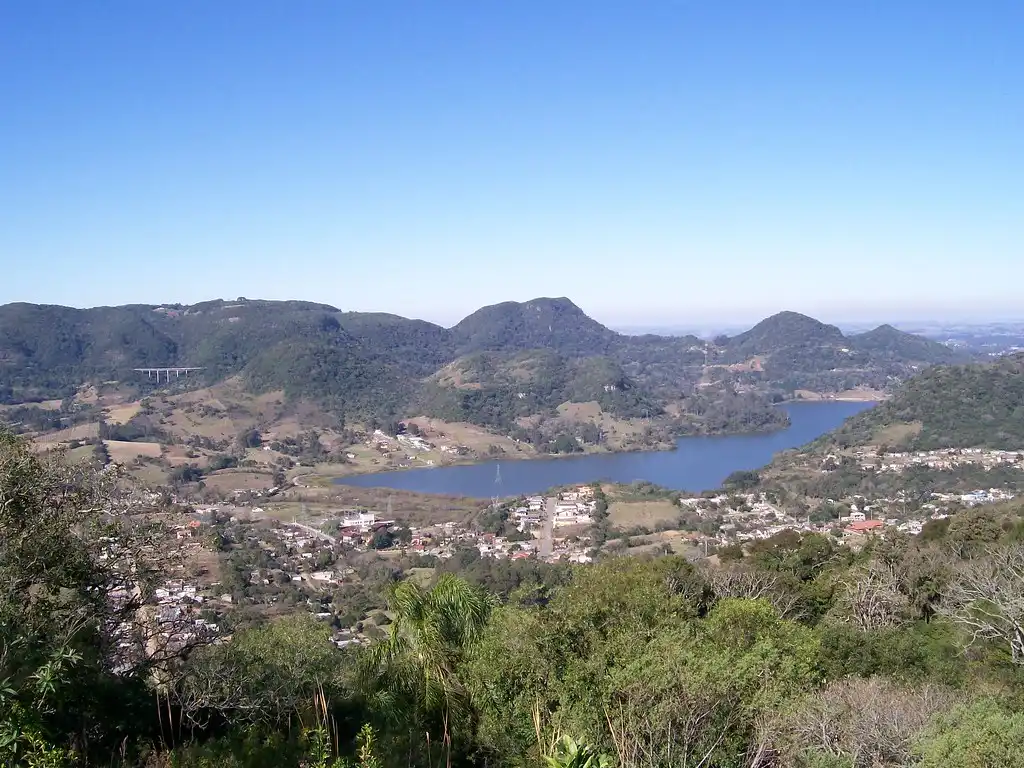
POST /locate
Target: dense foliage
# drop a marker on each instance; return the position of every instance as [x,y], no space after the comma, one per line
[966,406]
[795,651]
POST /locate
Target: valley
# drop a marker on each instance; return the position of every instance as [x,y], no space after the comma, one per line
[278,387]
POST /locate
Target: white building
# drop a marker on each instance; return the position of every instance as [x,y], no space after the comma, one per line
[362,520]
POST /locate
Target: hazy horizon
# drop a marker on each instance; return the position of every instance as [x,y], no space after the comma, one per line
[701,326]
[673,163]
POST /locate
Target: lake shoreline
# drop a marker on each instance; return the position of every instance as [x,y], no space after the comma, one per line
[660,447]
[693,464]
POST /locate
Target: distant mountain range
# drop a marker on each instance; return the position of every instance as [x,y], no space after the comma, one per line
[500,364]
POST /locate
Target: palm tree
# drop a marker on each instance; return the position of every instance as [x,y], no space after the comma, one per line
[411,674]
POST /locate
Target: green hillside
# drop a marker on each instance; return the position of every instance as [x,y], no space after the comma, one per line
[964,406]
[886,342]
[497,365]
[555,324]
[495,388]
[783,331]
[794,352]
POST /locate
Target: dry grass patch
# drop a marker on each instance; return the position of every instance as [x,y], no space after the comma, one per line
[646,514]
[895,434]
[456,376]
[589,411]
[123,451]
[232,480]
[862,394]
[418,509]
[46,405]
[471,436]
[415,509]
[79,432]
[149,475]
[858,394]
[618,433]
[122,414]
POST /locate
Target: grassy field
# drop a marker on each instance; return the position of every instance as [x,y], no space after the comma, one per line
[415,509]
[233,480]
[860,394]
[150,475]
[474,438]
[679,542]
[631,514]
[81,454]
[79,432]
[618,433]
[122,414]
[123,452]
[894,434]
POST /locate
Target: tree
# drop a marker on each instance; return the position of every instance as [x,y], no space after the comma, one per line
[250,438]
[411,676]
[984,734]
[972,530]
[870,598]
[739,581]
[986,597]
[741,480]
[862,723]
[263,675]
[693,695]
[78,558]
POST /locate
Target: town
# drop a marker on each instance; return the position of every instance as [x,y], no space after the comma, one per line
[320,562]
[880,460]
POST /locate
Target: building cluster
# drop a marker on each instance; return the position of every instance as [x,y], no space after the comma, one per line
[947,458]
[751,517]
[179,618]
[406,446]
[574,507]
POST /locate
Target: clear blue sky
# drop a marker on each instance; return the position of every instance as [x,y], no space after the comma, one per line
[654,161]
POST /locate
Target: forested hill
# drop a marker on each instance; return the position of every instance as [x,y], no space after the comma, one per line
[803,340]
[888,342]
[786,329]
[555,324]
[965,406]
[386,365]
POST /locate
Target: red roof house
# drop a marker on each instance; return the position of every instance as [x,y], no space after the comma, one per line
[865,526]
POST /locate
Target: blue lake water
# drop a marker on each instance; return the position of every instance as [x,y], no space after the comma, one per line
[697,464]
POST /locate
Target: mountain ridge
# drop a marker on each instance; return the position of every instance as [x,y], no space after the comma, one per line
[384,365]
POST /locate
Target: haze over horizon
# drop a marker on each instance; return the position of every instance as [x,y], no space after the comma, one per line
[678,163]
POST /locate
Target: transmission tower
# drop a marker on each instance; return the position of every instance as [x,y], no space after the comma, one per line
[497,487]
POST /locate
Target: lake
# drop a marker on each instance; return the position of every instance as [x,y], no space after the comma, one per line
[697,464]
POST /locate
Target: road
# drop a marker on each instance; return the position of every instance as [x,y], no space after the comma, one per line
[547,538]
[316,532]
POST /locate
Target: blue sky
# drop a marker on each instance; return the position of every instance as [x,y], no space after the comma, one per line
[657,162]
